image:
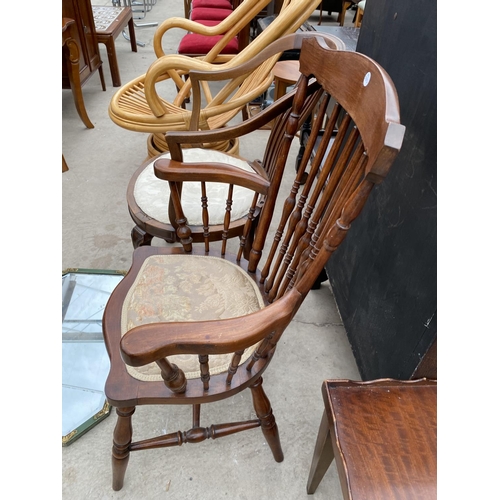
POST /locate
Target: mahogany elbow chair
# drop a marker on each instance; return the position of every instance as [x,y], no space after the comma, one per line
[194,324]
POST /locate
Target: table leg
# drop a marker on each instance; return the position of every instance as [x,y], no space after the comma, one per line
[131,32]
[113,62]
[322,457]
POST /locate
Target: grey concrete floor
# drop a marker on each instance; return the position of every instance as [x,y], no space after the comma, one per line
[96,234]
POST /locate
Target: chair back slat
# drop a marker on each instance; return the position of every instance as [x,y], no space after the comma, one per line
[205,216]
[245,239]
[227,219]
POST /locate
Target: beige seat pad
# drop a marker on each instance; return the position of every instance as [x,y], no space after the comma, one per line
[188,288]
[152,194]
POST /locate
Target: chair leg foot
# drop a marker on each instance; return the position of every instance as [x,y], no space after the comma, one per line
[140,237]
[267,421]
[122,438]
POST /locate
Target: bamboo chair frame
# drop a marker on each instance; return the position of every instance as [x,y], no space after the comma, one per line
[138,105]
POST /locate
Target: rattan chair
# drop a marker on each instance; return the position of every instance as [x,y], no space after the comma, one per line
[143,105]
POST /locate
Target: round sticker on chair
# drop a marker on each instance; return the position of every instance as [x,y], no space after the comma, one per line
[366,80]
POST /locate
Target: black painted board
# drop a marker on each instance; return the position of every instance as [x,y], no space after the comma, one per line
[384,274]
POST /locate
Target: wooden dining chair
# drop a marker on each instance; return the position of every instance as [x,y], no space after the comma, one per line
[195,323]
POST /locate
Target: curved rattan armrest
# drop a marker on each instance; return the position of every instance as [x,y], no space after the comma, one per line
[175,65]
[176,171]
[186,24]
[292,41]
[238,73]
[170,66]
[148,343]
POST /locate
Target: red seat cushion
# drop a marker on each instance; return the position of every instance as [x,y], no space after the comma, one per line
[195,44]
[210,14]
[214,4]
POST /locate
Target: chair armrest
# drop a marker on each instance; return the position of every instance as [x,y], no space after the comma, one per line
[170,66]
[148,343]
[176,171]
[186,24]
[287,42]
[174,66]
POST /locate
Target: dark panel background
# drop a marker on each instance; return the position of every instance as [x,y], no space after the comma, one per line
[384,274]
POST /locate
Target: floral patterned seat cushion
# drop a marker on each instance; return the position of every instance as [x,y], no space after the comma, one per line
[152,194]
[188,288]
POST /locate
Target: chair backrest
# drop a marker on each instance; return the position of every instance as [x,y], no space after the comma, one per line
[354,138]
[220,109]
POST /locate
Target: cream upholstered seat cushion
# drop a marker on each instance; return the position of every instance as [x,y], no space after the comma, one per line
[152,194]
[188,288]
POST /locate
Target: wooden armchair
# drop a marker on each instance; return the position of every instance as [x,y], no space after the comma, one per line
[148,197]
[195,324]
[145,104]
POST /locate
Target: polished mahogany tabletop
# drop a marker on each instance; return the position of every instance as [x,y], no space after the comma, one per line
[384,438]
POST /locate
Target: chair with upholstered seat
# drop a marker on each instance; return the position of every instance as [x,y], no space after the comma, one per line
[195,324]
[212,13]
[146,105]
[148,196]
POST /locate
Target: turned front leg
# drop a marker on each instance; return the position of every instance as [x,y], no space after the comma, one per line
[122,437]
[267,421]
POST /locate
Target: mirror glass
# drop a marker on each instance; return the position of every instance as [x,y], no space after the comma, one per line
[85,362]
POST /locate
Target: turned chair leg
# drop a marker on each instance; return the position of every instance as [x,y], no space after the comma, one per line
[267,421]
[122,438]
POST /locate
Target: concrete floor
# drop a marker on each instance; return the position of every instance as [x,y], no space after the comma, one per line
[96,234]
